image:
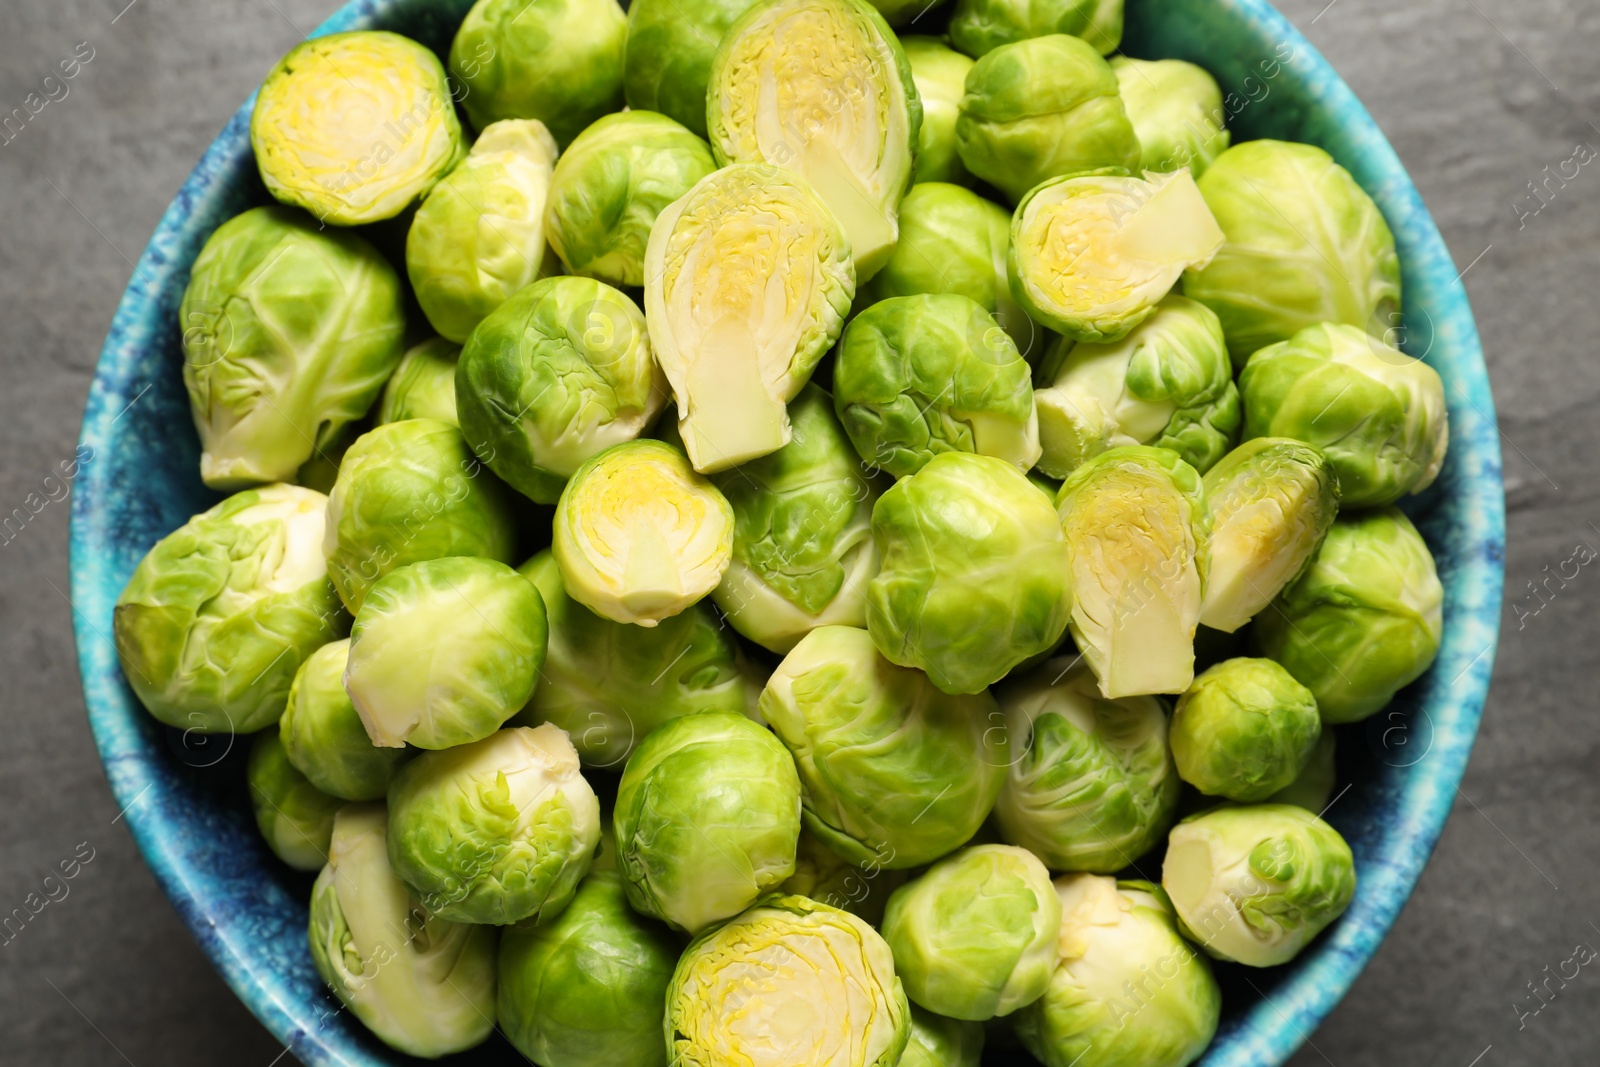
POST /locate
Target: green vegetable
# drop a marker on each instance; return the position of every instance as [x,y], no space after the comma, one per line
[823,875]
[670,47]
[978,27]
[323,735]
[1244,730]
[293,815]
[1176,110]
[940,75]
[423,386]
[937,1041]
[1314,788]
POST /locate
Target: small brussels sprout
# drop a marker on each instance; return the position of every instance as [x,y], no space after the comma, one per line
[355,127]
[558,61]
[587,988]
[823,875]
[1176,110]
[670,47]
[1305,244]
[1168,383]
[1042,108]
[220,614]
[788,982]
[1127,990]
[978,27]
[479,236]
[1271,502]
[1363,621]
[423,984]
[973,580]
[747,281]
[1136,530]
[293,815]
[423,385]
[938,1041]
[822,88]
[445,651]
[1091,785]
[1244,730]
[1254,884]
[406,492]
[1313,789]
[1377,413]
[289,334]
[940,74]
[1092,256]
[323,735]
[559,372]
[893,772]
[612,183]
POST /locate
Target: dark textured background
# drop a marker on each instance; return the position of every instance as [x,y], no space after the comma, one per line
[1476,109]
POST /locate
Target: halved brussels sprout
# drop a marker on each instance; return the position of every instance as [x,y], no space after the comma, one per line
[1271,502]
[707,818]
[293,815]
[940,75]
[1092,256]
[288,335]
[1244,730]
[670,47]
[323,735]
[1136,530]
[355,127]
[1363,621]
[747,281]
[423,984]
[1377,413]
[1314,787]
[893,772]
[938,1041]
[823,875]
[423,386]
[821,88]
[1305,244]
[978,27]
[788,982]
[1176,110]
[1254,884]
[220,614]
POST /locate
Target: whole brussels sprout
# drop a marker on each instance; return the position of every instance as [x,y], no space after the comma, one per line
[406,492]
[1377,413]
[938,1041]
[558,61]
[978,27]
[707,818]
[670,47]
[1176,110]
[893,772]
[293,815]
[611,184]
[423,984]
[220,614]
[479,236]
[1315,785]
[973,580]
[559,372]
[821,88]
[1254,884]
[445,651]
[940,75]
[289,334]
[1092,786]
[747,281]
[1121,961]
[587,988]
[1092,256]
[823,875]
[323,735]
[1363,621]
[355,127]
[788,982]
[1305,245]
[423,386]
[1168,383]
[1136,531]
[1244,730]
[1041,108]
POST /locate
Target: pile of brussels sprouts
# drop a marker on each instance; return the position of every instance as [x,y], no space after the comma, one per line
[1025,507]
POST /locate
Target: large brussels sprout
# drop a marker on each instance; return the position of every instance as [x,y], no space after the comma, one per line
[288,335]
[1305,244]
[1127,990]
[423,984]
[940,75]
[1244,730]
[789,982]
[558,61]
[588,988]
[978,27]
[1176,110]
[220,614]
[293,815]
[1255,883]
[445,651]
[823,875]
[612,183]
[973,580]
[1091,785]
[1313,789]
[1136,530]
[557,373]
[821,88]
[938,1041]
[1168,383]
[1041,108]
[893,772]
[323,735]
[747,281]
[1377,413]
[355,127]
[1092,256]
[670,47]
[1363,621]
[707,818]
[1271,502]
[423,386]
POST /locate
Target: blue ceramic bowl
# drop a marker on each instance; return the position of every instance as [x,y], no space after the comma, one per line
[184,794]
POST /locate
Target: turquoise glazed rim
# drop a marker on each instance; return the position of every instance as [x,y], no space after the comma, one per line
[184,793]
